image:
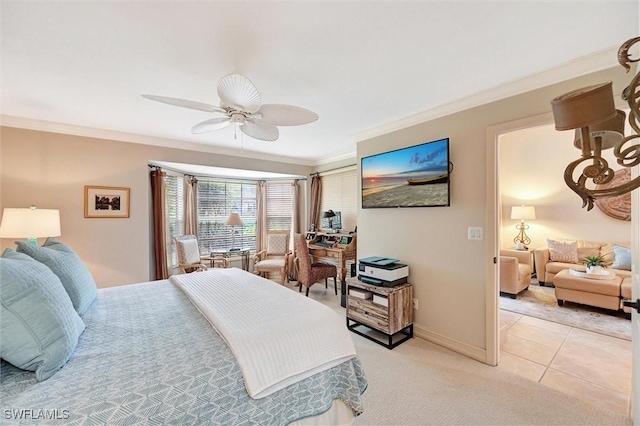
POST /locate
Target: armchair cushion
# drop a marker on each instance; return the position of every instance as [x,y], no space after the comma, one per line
[278,243]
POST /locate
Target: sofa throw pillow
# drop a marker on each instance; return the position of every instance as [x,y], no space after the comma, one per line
[39,328]
[68,266]
[622,257]
[563,251]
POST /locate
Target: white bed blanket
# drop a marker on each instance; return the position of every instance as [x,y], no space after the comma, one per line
[277,335]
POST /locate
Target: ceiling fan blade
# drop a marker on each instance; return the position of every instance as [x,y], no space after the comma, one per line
[238,92]
[211,125]
[264,132]
[184,103]
[285,115]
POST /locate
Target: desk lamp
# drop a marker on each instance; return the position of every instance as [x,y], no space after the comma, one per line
[30,223]
[233,221]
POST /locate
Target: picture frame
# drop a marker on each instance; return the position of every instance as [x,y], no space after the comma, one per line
[106,202]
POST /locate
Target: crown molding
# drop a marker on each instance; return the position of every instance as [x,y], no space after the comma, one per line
[90,132]
[341,157]
[596,61]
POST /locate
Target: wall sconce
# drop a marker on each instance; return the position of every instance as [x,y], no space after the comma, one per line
[233,221]
[591,111]
[30,223]
[522,213]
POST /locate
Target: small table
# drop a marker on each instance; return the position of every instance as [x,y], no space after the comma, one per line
[226,253]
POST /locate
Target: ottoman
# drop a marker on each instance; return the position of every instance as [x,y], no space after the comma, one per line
[625,292]
[588,291]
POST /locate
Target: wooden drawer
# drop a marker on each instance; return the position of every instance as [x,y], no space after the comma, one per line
[318,252]
[332,254]
[367,313]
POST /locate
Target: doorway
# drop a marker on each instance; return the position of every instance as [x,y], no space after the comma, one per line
[542,350]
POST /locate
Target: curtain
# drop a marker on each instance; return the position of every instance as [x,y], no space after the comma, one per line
[159,224]
[261,216]
[190,205]
[314,209]
[296,225]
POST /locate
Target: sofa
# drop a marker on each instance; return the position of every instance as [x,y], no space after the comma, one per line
[552,264]
[568,254]
[515,272]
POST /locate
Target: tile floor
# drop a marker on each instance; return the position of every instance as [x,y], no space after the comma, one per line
[590,366]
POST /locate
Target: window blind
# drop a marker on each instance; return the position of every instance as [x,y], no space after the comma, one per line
[339,193]
[217,198]
[279,206]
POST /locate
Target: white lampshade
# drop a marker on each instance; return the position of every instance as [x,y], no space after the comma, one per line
[30,223]
[234,220]
[523,212]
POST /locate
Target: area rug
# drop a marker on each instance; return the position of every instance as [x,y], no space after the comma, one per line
[540,302]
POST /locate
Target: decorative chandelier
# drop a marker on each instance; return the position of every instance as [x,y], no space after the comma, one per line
[591,111]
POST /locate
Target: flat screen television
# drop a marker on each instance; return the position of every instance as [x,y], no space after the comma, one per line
[416,176]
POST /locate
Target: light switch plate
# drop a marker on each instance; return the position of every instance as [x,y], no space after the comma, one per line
[474,233]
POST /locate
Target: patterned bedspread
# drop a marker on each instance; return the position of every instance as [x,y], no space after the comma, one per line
[147,356]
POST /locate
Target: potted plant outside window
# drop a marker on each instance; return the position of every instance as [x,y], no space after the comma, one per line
[594,264]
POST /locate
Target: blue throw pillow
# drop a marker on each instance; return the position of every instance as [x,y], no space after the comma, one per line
[39,328]
[66,264]
[622,257]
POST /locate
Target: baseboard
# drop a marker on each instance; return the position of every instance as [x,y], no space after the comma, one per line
[473,352]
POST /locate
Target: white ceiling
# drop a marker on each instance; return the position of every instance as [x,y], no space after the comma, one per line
[358,64]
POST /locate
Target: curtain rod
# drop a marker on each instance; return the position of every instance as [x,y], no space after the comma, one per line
[227,177]
[333,170]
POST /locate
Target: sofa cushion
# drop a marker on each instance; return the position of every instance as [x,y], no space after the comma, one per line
[622,256]
[588,249]
[625,288]
[563,251]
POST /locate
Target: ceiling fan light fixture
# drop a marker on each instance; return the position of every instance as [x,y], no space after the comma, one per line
[241,104]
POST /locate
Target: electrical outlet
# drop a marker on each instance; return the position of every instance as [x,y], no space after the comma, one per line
[415,304]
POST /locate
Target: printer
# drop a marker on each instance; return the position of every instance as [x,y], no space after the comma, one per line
[382,271]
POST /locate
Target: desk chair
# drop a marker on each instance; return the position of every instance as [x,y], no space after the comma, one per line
[188,254]
[310,273]
[276,256]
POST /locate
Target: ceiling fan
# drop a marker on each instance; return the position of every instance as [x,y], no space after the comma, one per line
[240,102]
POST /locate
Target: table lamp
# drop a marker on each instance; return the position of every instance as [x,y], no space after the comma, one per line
[522,213]
[30,223]
[233,221]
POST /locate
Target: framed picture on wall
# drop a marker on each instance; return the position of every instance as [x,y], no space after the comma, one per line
[106,202]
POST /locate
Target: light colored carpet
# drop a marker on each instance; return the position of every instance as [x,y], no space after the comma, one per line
[420,383]
[541,302]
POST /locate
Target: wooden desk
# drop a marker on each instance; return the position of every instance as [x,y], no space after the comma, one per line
[338,255]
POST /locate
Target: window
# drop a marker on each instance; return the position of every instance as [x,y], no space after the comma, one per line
[340,193]
[217,198]
[175,214]
[279,206]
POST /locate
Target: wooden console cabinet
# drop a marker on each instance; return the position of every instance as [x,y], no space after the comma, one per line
[394,319]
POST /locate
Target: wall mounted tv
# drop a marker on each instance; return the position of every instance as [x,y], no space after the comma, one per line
[416,176]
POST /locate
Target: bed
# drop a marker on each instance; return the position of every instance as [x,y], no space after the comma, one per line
[149,355]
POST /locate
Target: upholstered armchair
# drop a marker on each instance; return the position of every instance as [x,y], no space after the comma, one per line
[515,272]
[188,254]
[310,273]
[275,258]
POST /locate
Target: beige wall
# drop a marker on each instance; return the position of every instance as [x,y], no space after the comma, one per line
[50,170]
[448,271]
[532,163]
